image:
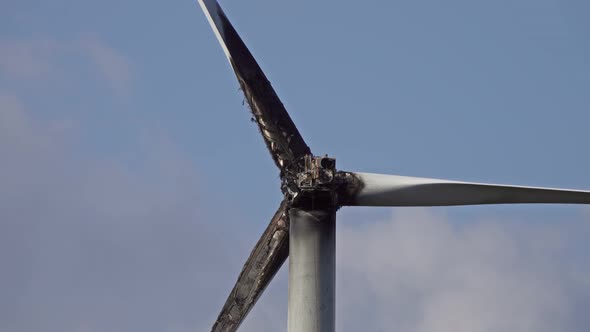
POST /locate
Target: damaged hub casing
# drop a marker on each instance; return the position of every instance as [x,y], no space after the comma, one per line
[316,185]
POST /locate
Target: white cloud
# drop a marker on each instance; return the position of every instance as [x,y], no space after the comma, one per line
[45,60]
[28,59]
[419,272]
[113,65]
[92,243]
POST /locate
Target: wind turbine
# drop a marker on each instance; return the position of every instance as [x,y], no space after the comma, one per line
[303,228]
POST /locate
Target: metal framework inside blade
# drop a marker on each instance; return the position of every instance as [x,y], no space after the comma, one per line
[267,257]
[282,138]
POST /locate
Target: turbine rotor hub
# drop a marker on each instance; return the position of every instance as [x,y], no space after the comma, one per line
[316,184]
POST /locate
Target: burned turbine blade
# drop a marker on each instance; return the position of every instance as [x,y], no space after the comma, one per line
[267,257]
[282,138]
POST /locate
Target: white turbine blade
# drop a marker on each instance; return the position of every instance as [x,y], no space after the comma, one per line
[217,19]
[395,190]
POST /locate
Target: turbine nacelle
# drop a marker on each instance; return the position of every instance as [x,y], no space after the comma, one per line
[316,184]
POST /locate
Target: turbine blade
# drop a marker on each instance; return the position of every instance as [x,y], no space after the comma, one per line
[267,257]
[282,138]
[395,190]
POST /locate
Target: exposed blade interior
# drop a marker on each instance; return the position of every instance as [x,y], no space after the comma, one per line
[267,257]
[282,138]
[395,190]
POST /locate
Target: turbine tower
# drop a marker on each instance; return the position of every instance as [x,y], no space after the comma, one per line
[303,228]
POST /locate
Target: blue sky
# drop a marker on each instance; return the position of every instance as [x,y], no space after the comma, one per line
[134,184]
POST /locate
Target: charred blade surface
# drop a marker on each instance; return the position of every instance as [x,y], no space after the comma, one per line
[281,137]
[264,262]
